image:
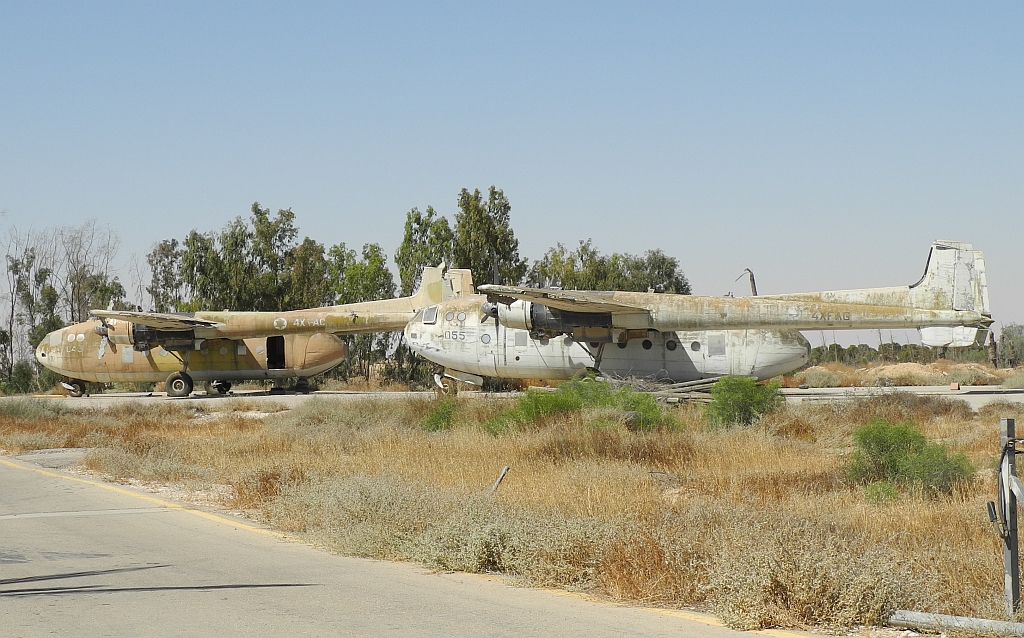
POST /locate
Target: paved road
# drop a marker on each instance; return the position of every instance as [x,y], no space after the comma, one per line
[975,396]
[84,558]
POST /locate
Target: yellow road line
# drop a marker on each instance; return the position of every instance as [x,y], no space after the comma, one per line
[678,613]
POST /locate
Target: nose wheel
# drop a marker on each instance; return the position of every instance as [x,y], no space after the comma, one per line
[179,384]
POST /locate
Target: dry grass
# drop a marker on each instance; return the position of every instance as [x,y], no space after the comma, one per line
[943,372]
[757,524]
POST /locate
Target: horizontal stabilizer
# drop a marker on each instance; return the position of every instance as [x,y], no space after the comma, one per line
[952,336]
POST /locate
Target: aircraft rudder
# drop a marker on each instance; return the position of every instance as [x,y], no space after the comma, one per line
[954,278]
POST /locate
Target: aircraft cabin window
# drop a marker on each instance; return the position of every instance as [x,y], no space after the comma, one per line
[462,316]
[621,345]
[430,315]
[671,345]
[647,344]
[449,316]
[485,338]
[695,346]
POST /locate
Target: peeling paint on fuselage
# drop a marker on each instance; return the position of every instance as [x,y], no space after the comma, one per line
[464,338]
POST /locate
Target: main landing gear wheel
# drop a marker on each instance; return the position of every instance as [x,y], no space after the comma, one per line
[302,386]
[445,386]
[217,387]
[75,388]
[179,384]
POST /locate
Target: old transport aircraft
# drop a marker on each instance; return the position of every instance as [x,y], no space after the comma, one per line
[513,332]
[221,347]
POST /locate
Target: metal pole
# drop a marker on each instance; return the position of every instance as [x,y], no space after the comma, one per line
[501,477]
[1011,564]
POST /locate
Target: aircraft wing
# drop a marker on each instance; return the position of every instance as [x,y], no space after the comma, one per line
[156,320]
[568,300]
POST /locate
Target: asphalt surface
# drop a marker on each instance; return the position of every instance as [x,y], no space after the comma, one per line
[975,396]
[85,558]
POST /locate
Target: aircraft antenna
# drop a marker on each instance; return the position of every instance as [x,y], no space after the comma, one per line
[753,285]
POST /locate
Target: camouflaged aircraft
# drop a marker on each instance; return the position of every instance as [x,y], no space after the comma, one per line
[515,332]
[221,347]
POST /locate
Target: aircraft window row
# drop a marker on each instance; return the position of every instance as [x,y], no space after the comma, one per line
[430,315]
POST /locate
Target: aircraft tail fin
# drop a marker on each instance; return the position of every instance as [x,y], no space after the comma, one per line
[954,279]
[437,285]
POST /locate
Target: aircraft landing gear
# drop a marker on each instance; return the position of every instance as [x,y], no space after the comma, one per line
[445,386]
[74,387]
[302,386]
[179,384]
[217,387]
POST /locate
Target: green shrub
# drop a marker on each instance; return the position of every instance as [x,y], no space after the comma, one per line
[880,492]
[441,417]
[642,410]
[899,454]
[740,401]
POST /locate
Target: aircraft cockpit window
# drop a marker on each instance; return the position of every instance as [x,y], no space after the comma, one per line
[430,315]
[416,318]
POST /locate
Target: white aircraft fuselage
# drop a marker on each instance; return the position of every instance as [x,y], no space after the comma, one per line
[461,337]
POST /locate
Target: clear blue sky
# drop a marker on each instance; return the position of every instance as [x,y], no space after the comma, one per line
[823,145]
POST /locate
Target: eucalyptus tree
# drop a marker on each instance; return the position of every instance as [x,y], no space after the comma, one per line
[484,239]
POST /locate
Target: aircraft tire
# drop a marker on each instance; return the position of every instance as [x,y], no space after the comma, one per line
[179,384]
[302,386]
[447,387]
[77,389]
[217,387]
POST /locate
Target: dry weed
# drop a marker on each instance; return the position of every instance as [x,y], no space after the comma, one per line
[757,524]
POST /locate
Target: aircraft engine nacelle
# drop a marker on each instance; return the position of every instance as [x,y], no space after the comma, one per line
[117,332]
[141,338]
[543,321]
